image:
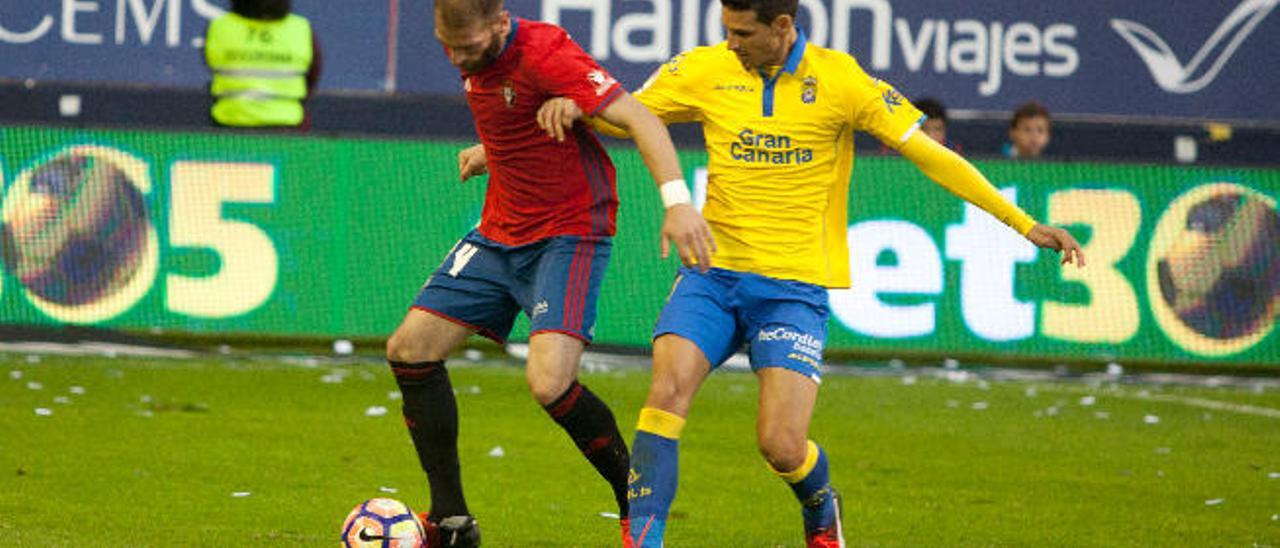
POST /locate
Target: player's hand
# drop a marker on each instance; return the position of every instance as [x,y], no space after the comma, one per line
[472,161]
[1057,239]
[686,228]
[557,116]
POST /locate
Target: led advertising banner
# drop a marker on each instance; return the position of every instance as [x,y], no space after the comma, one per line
[301,236]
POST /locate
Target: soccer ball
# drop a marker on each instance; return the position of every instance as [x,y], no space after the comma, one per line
[384,523]
[1218,267]
[75,228]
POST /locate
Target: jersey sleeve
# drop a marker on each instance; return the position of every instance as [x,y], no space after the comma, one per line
[668,92]
[568,71]
[880,110]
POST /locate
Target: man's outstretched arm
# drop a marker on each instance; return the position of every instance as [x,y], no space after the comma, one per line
[957,175]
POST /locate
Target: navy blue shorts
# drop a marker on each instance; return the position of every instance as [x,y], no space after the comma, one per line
[783,321]
[483,284]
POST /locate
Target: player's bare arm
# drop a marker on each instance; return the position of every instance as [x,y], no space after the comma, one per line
[558,114]
[683,225]
[957,175]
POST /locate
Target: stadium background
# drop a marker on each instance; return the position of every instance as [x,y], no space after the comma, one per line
[223,234]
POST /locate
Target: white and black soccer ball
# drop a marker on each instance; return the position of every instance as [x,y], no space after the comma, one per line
[382,523]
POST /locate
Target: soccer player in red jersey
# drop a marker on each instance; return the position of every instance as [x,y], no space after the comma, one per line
[541,247]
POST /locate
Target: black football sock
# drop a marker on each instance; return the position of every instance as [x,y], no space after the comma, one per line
[591,425]
[431,413]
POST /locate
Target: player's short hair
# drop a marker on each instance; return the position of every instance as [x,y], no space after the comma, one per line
[1027,110]
[268,10]
[465,13]
[766,10]
[932,108]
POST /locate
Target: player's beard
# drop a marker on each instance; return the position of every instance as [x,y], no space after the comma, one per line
[487,58]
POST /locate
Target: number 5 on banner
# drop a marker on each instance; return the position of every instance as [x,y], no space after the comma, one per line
[249,266]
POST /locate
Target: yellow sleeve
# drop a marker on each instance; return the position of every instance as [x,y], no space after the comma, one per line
[959,176]
[879,109]
[669,94]
[603,126]
[665,94]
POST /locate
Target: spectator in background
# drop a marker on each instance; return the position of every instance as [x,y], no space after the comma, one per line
[935,125]
[1028,131]
[265,62]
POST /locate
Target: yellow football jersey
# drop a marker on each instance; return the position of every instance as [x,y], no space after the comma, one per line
[781,151]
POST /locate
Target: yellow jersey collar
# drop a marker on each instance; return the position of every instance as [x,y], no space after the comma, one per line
[792,64]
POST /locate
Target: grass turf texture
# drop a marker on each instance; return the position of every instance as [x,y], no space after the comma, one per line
[153,450]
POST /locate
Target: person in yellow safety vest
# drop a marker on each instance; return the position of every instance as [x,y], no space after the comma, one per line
[265,62]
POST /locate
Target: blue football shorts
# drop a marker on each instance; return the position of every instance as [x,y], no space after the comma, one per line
[784,322]
[483,285]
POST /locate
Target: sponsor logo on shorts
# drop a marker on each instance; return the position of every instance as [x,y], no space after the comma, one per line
[539,309]
[803,343]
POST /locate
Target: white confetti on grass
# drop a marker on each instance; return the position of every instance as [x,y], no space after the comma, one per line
[953,404]
[44,412]
[15,374]
[343,347]
[61,400]
[1273,475]
[1151,419]
[473,355]
[980,405]
[33,358]
[1163,450]
[375,411]
[1214,502]
[394,395]
[1088,401]
[33,385]
[518,351]
[1101,415]
[391,490]
[1030,392]
[609,515]
[497,452]
[909,380]
[77,390]
[241,494]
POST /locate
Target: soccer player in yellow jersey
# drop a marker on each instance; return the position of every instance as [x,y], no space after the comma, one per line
[778,115]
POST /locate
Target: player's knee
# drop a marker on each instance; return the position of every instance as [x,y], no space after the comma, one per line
[405,349]
[783,450]
[397,348]
[545,387]
[669,394]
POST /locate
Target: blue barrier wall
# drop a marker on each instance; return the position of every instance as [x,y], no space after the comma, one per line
[1153,58]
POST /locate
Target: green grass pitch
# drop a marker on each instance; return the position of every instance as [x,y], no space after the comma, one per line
[150,453]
